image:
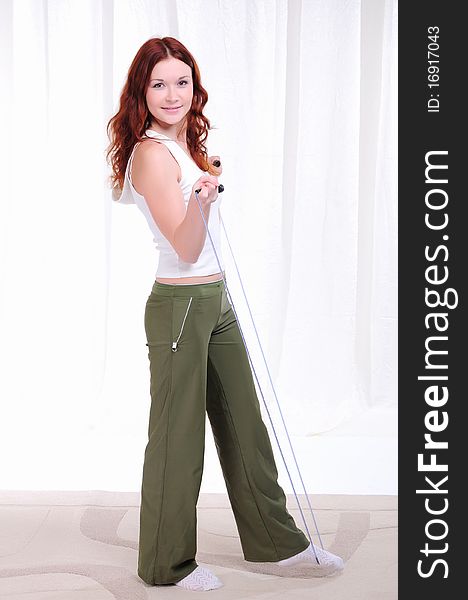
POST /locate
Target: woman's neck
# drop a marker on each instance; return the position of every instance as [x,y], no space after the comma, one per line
[181,138]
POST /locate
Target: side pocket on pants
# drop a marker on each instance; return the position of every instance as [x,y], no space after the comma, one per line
[175,342]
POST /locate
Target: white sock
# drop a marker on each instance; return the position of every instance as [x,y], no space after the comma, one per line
[201,579]
[327,560]
[297,558]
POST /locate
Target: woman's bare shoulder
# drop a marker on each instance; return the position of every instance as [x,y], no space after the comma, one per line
[147,153]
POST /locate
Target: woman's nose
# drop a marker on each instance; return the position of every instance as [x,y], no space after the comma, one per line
[172,93]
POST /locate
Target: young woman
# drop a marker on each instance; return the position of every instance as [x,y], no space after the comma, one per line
[197,359]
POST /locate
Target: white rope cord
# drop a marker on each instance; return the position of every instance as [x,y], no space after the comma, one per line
[221,188]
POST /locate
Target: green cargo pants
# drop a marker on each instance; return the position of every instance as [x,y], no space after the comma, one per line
[198,363]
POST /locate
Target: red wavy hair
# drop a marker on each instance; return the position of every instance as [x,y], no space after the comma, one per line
[132,119]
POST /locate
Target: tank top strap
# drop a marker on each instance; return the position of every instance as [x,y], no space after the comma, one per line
[130,160]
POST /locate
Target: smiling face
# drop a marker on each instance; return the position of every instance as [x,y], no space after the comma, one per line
[170,87]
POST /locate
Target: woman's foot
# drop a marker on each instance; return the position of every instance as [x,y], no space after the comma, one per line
[327,564]
[200,580]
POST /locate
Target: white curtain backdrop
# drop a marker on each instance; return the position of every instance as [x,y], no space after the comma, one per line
[303,97]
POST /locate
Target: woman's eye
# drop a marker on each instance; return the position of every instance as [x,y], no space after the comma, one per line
[156,85]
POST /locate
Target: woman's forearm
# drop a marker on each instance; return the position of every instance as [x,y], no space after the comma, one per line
[190,235]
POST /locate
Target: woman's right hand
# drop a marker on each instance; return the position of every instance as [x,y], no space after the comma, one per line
[208,186]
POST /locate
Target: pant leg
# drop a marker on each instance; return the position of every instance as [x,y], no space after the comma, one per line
[173,460]
[267,531]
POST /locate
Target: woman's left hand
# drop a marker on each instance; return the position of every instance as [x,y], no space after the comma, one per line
[218,170]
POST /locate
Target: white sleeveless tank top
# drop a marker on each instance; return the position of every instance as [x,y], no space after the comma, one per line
[169,264]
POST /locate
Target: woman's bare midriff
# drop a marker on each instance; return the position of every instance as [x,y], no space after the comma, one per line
[196,279]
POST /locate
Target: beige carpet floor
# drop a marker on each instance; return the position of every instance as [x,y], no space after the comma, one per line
[83,546]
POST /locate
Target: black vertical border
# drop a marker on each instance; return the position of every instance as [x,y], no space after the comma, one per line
[419,132]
